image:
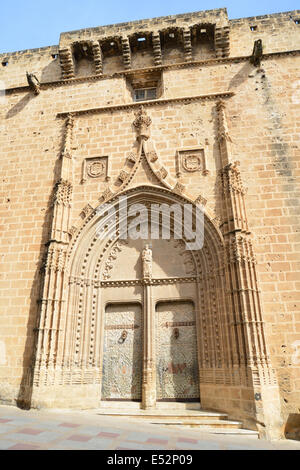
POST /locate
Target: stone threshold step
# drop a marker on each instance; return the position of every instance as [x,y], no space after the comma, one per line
[159,405]
[200,423]
[212,430]
[163,413]
[240,432]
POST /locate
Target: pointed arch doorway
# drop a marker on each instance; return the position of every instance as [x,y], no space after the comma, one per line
[102,273]
[150,334]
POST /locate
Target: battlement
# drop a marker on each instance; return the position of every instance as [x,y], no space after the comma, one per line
[156,42]
[217,16]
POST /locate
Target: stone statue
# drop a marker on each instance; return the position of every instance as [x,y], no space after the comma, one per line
[147,262]
[33,83]
[257,53]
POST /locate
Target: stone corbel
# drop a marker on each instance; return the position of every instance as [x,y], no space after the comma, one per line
[222,42]
[97,55]
[187,44]
[66,63]
[126,51]
[156,48]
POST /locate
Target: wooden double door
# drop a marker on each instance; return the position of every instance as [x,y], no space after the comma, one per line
[175,341]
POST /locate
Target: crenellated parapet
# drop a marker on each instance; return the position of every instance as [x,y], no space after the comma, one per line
[141,44]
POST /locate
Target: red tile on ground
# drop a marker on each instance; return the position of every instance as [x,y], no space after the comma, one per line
[34,432]
[69,425]
[156,441]
[4,420]
[107,434]
[187,439]
[79,438]
[23,447]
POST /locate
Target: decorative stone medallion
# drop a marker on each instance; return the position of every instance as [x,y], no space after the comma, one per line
[96,167]
[191,160]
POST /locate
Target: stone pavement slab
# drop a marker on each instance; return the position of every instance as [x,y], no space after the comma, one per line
[89,430]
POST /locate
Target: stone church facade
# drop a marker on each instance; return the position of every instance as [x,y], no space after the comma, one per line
[193,109]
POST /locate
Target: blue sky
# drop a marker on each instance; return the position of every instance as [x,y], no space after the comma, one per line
[28,24]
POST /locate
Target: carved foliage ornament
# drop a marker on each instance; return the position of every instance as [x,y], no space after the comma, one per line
[117,248]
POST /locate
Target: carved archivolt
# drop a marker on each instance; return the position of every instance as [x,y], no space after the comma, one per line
[109,264]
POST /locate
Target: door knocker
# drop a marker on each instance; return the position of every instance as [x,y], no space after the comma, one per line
[123,337]
[176,333]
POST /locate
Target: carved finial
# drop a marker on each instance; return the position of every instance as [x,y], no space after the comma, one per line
[33,83]
[66,152]
[257,53]
[223,132]
[147,262]
[142,123]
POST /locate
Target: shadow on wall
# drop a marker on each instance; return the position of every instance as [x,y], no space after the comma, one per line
[292,427]
[52,71]
[17,108]
[241,76]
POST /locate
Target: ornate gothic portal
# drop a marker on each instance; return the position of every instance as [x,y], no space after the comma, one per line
[148,320]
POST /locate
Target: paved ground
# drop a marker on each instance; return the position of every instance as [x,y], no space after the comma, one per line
[87,430]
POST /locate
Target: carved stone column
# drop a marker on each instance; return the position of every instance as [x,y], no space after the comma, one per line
[149,376]
[53,270]
[245,309]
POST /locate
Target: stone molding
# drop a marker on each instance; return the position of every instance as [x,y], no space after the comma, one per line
[118,107]
[98,76]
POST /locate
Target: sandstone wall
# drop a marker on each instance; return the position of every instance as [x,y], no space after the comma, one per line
[263,116]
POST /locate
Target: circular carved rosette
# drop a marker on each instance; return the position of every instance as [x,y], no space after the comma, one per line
[192,162]
[96,169]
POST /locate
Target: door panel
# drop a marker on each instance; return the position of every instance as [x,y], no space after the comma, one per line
[176,352]
[123,350]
